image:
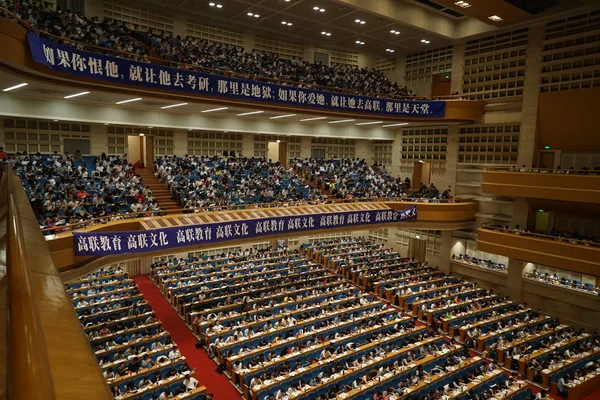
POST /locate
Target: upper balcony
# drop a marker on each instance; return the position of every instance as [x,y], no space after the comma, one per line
[548,184]
[572,255]
[36,55]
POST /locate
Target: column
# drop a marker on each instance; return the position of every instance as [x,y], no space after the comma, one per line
[514,282]
[305,147]
[247,145]
[531,89]
[445,252]
[448,178]
[179,26]
[364,149]
[180,142]
[309,53]
[99,139]
[458,58]
[249,41]
[93,8]
[520,212]
[396,152]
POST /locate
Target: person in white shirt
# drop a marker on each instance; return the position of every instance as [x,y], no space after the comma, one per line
[174,353]
[190,383]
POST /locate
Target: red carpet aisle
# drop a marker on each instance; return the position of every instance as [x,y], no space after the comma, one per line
[198,359]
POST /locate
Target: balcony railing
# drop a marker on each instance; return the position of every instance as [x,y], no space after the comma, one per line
[48,355]
[573,185]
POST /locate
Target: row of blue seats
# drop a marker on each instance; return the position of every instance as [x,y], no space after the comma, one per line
[279,309]
[134,347]
[206,307]
[254,343]
[238,268]
[465,296]
[210,303]
[98,280]
[560,349]
[127,323]
[262,325]
[281,269]
[121,339]
[162,372]
[348,380]
[318,371]
[471,294]
[304,359]
[154,357]
[109,288]
[466,319]
[538,325]
[505,321]
[111,315]
[398,284]
[446,380]
[111,304]
[281,347]
[573,368]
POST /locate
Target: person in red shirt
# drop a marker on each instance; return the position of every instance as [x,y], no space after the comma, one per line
[3,154]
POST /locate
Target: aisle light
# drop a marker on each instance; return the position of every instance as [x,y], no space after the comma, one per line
[20,85]
[76,95]
[174,105]
[129,101]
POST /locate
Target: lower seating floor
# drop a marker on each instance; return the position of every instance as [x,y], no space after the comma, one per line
[218,384]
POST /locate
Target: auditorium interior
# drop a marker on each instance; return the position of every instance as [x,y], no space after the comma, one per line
[299,199]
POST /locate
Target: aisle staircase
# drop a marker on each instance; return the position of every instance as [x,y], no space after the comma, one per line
[159,190]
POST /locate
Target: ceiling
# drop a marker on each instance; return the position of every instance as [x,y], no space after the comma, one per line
[439,21]
[307,23]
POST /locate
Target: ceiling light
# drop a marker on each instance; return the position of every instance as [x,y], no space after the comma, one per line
[286,23]
[401,124]
[317,8]
[360,21]
[359,42]
[129,101]
[106,124]
[395,32]
[215,5]
[253,15]
[283,116]
[55,120]
[250,113]
[326,33]
[425,41]
[342,120]
[370,123]
[495,18]
[278,141]
[312,119]
[463,4]
[174,105]
[20,85]
[214,109]
[76,95]
[141,133]
[150,127]
[390,50]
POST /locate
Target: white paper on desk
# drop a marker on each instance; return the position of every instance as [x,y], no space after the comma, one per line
[343,395]
[546,371]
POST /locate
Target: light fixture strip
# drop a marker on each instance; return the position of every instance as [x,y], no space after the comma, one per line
[20,85]
[250,113]
[342,120]
[283,116]
[76,95]
[129,101]
[174,105]
[214,109]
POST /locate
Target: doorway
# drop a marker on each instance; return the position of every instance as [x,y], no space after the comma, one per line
[546,159]
[417,248]
[135,150]
[421,174]
[441,84]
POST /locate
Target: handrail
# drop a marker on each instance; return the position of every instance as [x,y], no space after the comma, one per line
[28,376]
[193,67]
[519,232]
[535,170]
[238,207]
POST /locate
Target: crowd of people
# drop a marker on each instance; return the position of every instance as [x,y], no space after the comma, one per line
[572,237]
[138,358]
[201,182]
[558,170]
[71,189]
[555,279]
[198,53]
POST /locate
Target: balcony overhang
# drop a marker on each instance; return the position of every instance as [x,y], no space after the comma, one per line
[578,258]
[430,216]
[549,186]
